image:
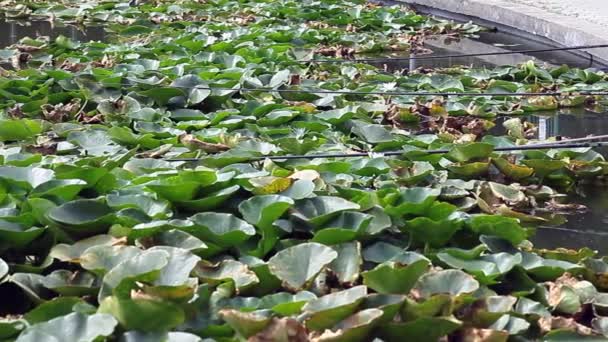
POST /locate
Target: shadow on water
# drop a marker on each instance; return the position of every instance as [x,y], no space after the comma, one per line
[13,31]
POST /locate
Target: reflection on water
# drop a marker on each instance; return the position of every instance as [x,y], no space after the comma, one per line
[567,123]
[583,230]
[589,229]
[13,31]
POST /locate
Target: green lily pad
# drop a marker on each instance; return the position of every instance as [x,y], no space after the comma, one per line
[210,201]
[347,265]
[228,270]
[90,328]
[313,258]
[410,201]
[15,235]
[143,314]
[83,216]
[246,324]
[395,278]
[453,282]
[513,171]
[486,268]
[318,210]
[222,229]
[354,328]
[468,152]
[326,311]
[427,328]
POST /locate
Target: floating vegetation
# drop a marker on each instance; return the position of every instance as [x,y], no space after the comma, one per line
[101,230]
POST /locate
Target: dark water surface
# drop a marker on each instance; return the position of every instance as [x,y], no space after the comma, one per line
[589,229]
[487,42]
[12,31]
[583,230]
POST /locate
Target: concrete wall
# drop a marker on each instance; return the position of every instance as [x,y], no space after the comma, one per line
[569,29]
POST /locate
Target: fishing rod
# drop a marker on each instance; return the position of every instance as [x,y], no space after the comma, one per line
[481,54]
[399,153]
[400,93]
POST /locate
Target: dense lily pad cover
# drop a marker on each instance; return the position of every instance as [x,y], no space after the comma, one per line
[104,237]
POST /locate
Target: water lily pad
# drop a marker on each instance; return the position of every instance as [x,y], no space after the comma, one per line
[428,328]
[312,258]
[228,270]
[83,216]
[325,312]
[410,201]
[453,282]
[143,314]
[210,201]
[486,268]
[394,278]
[318,210]
[144,267]
[468,152]
[246,323]
[513,171]
[222,229]
[61,328]
[16,235]
[348,263]
[26,176]
[354,328]
[503,227]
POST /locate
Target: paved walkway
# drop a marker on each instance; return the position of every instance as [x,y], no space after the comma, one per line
[566,22]
[593,11]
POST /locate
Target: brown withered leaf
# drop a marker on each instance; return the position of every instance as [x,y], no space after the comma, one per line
[562,208]
[19,60]
[105,62]
[70,66]
[156,153]
[336,51]
[46,148]
[317,25]
[61,112]
[192,142]
[295,79]
[547,324]
[27,48]
[15,112]
[483,335]
[90,120]
[282,330]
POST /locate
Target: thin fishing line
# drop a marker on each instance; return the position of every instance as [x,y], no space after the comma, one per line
[583,232]
[399,93]
[481,54]
[399,153]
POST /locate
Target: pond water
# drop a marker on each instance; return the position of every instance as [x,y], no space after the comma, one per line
[13,31]
[588,229]
[583,230]
[486,42]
